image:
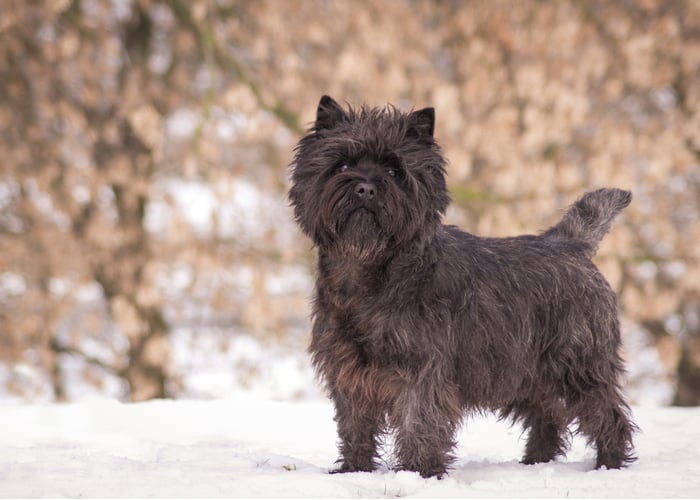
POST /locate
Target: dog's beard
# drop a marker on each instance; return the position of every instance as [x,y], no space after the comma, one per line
[355,227]
[361,234]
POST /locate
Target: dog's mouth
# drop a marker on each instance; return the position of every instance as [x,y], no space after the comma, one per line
[363,210]
[362,217]
[362,223]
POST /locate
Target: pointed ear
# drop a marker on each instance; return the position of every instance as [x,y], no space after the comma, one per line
[328,114]
[423,122]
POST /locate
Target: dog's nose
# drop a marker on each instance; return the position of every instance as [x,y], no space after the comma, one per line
[365,190]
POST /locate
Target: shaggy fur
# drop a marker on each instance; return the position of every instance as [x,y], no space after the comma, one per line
[416,324]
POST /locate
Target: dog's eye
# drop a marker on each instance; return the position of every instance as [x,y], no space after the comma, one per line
[391,172]
[344,167]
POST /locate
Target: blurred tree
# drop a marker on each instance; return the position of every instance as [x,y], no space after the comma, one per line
[83,138]
[87,86]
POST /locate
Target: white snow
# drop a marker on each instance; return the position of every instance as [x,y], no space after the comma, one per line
[251,447]
[182,123]
[212,363]
[235,209]
[12,284]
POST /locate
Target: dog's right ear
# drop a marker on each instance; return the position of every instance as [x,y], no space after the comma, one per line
[328,114]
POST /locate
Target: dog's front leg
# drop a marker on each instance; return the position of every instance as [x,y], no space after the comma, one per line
[426,415]
[360,421]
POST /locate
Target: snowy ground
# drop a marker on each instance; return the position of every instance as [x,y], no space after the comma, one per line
[248,447]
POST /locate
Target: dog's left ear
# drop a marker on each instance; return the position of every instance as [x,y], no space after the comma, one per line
[328,114]
[423,122]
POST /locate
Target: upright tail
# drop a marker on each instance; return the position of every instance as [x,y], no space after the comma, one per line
[590,217]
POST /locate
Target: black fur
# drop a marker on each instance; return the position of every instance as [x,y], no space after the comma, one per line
[417,324]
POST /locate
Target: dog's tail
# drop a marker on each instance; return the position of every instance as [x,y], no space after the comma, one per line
[590,217]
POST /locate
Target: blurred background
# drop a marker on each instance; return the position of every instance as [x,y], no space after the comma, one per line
[147,248]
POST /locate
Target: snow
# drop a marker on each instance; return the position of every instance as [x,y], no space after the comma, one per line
[12,284]
[213,365]
[252,447]
[235,209]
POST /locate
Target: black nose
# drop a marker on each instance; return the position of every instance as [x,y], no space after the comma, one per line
[365,190]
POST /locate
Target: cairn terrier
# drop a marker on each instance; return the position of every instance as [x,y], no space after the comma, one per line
[417,324]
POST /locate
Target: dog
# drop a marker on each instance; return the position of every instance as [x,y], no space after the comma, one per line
[417,324]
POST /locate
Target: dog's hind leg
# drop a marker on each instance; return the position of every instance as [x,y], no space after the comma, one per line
[604,419]
[595,397]
[547,433]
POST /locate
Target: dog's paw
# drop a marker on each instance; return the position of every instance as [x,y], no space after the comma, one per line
[345,467]
[437,472]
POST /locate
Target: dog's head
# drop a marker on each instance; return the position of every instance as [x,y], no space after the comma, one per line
[368,181]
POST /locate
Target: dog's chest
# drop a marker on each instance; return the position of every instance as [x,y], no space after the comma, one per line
[366,310]
[349,287]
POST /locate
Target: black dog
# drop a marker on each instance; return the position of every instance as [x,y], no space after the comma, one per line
[417,323]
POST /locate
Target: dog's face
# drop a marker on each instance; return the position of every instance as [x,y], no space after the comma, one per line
[368,181]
